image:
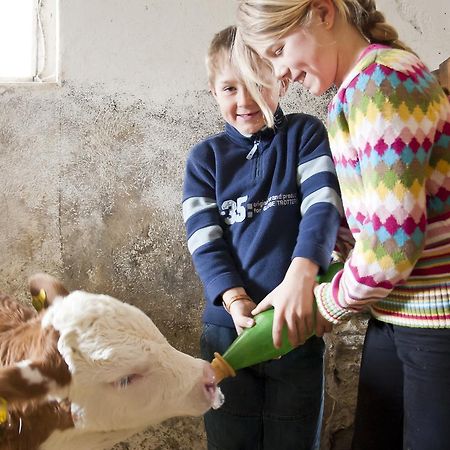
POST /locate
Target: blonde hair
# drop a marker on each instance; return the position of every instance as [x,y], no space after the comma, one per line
[221,51]
[260,22]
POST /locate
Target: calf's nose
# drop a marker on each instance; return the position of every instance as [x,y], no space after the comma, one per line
[209,376]
[212,392]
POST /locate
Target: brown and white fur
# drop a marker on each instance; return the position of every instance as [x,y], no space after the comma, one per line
[89,371]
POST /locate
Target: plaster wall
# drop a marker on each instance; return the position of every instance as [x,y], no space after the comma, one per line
[92,170]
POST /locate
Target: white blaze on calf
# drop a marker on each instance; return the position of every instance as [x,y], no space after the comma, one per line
[113,373]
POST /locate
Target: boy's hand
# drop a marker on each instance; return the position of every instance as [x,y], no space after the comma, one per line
[293,302]
[240,309]
[241,313]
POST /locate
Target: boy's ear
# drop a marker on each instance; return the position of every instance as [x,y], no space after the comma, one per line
[212,90]
[284,85]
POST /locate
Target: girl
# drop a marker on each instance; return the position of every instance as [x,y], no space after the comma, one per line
[389,129]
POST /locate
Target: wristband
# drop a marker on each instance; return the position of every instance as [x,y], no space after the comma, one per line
[235,298]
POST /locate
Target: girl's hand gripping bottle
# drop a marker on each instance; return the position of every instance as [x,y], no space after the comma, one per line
[255,344]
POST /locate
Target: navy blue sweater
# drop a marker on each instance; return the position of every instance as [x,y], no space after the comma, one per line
[251,204]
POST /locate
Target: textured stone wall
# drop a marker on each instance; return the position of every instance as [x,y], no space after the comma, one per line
[92,172]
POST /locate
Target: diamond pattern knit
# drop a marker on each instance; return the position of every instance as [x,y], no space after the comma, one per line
[389,127]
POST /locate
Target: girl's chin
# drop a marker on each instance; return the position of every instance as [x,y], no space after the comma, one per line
[316,90]
[314,86]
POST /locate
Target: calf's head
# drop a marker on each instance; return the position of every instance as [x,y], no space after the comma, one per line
[111,363]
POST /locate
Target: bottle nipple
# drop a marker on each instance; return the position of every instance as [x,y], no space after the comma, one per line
[221,368]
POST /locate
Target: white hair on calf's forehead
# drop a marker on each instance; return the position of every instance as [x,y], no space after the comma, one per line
[82,310]
[100,331]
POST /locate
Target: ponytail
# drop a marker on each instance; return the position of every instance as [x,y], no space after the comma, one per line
[370,22]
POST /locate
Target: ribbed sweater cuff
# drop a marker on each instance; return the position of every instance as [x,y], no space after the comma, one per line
[327,306]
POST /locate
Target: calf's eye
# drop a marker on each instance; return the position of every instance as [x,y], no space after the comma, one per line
[126,381]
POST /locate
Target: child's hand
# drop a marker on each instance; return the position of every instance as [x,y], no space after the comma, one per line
[293,302]
[322,324]
[241,313]
[239,305]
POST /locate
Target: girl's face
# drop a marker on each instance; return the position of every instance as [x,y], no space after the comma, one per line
[307,55]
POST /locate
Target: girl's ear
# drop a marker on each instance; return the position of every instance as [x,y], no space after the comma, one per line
[325,12]
[284,85]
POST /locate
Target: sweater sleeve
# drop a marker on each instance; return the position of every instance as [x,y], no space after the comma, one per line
[210,253]
[387,119]
[320,201]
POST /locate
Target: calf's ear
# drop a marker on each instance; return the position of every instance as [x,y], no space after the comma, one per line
[44,289]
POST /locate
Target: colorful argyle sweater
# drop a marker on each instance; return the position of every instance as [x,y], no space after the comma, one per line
[389,128]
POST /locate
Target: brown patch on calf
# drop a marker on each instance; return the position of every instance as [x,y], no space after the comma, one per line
[22,338]
[15,388]
[39,346]
[13,314]
[31,426]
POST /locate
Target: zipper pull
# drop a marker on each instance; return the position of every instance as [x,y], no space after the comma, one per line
[253,150]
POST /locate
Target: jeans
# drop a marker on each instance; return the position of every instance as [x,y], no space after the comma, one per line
[404,389]
[276,405]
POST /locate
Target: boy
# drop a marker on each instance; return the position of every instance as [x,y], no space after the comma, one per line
[262,209]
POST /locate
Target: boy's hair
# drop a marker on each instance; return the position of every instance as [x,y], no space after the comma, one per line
[260,22]
[221,51]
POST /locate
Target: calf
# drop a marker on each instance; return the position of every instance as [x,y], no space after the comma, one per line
[88,371]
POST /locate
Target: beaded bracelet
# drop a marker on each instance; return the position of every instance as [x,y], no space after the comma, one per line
[235,298]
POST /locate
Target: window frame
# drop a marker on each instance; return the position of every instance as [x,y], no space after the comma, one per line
[46,30]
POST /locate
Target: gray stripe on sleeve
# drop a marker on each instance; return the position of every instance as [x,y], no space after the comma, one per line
[310,168]
[203,236]
[194,205]
[323,195]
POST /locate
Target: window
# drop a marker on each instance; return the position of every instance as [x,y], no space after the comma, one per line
[28,41]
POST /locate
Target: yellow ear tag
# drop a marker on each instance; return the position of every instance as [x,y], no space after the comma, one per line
[38,300]
[3,410]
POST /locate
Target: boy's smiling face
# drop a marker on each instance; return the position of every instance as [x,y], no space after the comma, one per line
[235,102]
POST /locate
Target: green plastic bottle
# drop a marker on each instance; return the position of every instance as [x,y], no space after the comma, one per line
[255,344]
